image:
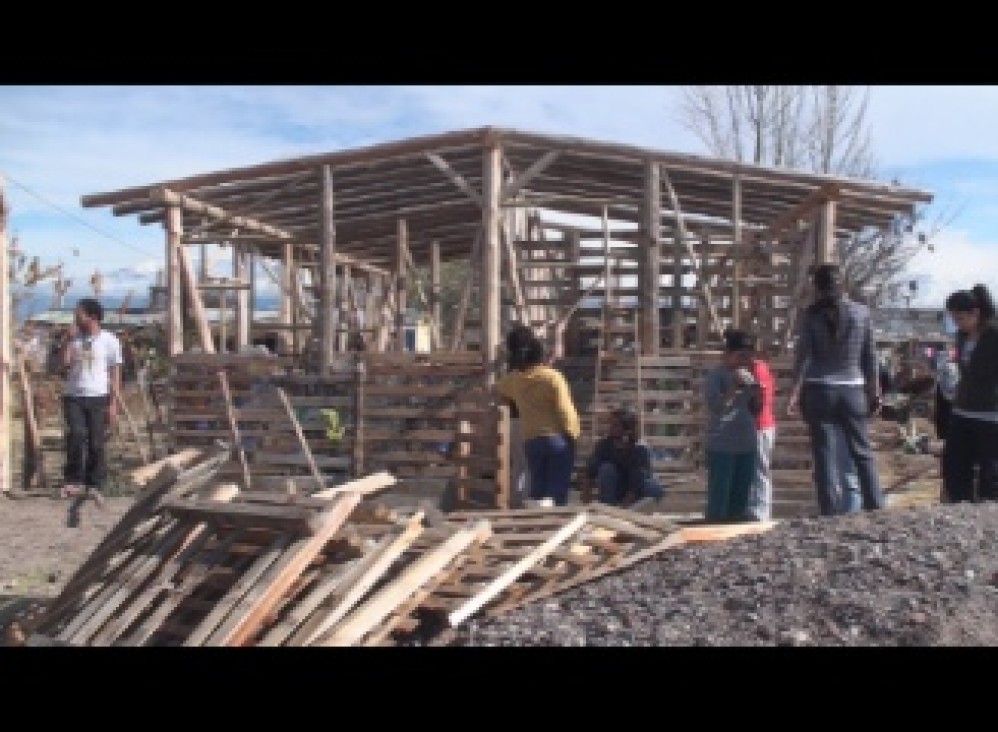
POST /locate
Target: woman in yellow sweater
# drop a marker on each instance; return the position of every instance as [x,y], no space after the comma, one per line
[550,423]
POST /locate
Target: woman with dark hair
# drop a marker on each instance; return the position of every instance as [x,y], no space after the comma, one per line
[837,382]
[972,428]
[549,420]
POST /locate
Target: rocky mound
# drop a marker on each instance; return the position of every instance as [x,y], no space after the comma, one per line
[919,576]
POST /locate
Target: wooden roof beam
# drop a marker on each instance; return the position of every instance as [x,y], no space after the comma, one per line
[696,163]
[171,198]
[342,158]
[789,218]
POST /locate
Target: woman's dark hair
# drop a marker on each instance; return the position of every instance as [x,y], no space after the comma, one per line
[628,420]
[828,284]
[977,298]
[524,349]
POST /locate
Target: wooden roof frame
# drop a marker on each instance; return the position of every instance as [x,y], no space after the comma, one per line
[434,182]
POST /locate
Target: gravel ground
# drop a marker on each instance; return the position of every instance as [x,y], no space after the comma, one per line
[908,576]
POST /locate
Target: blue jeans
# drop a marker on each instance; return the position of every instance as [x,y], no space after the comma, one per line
[614,485]
[849,492]
[550,460]
[828,410]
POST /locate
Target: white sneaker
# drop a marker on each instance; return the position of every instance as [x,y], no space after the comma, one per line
[71,490]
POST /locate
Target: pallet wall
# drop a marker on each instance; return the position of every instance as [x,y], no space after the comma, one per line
[424,418]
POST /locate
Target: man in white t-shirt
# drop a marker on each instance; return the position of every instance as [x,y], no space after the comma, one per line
[92,357]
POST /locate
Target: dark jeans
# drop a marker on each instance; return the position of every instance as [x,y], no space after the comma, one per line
[615,484]
[729,482]
[86,440]
[826,407]
[550,460]
[970,444]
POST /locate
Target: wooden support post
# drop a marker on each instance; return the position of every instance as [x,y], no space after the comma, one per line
[826,250]
[32,472]
[573,333]
[737,253]
[703,316]
[490,265]
[223,320]
[435,293]
[239,256]
[251,307]
[327,273]
[174,288]
[5,350]
[343,308]
[401,284]
[360,379]
[474,266]
[503,471]
[203,265]
[295,282]
[208,346]
[651,271]
[287,298]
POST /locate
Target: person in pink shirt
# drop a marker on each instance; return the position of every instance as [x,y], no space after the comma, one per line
[760,504]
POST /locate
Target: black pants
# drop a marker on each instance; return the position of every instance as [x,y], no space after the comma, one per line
[86,440]
[827,407]
[970,444]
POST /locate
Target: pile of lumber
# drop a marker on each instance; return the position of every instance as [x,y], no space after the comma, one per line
[197,563]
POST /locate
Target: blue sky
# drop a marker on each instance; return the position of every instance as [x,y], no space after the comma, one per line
[63,142]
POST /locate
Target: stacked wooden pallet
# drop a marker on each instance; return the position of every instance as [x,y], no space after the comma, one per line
[196,563]
[426,418]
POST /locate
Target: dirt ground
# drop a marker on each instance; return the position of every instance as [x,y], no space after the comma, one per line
[38,552]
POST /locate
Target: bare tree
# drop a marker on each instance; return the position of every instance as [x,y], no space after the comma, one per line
[821,129]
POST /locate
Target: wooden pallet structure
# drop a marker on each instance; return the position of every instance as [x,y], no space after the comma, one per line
[196,562]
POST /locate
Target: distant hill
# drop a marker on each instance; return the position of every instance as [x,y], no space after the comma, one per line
[36,302]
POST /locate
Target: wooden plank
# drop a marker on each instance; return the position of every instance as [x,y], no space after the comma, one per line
[511,188]
[456,178]
[696,534]
[207,628]
[194,541]
[129,580]
[296,426]
[141,477]
[177,595]
[371,613]
[369,571]
[257,606]
[673,540]
[624,527]
[365,486]
[510,575]
[290,519]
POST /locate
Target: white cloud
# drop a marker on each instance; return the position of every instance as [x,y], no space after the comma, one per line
[958,263]
[63,142]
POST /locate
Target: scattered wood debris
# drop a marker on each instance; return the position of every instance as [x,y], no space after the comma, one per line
[197,563]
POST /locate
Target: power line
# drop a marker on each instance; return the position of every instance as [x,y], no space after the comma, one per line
[73,216]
